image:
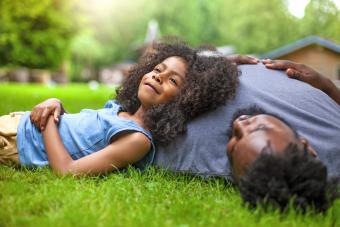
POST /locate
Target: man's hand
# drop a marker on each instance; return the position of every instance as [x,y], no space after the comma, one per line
[242,59]
[306,74]
[42,111]
[299,72]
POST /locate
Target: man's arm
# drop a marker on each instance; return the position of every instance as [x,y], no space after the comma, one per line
[126,149]
[306,74]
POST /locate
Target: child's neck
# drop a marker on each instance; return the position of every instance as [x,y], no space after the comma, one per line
[137,116]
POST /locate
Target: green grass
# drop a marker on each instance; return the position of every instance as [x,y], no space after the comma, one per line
[19,97]
[154,198]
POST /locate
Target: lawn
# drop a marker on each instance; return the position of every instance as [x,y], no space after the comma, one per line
[153,198]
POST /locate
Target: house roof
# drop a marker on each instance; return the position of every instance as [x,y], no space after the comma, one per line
[300,44]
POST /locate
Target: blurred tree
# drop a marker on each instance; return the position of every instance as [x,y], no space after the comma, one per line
[35,33]
[110,32]
[322,17]
[256,26]
[86,53]
[193,20]
[93,34]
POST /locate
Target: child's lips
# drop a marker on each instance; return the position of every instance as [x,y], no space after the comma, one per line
[152,87]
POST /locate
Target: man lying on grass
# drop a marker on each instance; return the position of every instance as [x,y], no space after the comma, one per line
[309,102]
[272,164]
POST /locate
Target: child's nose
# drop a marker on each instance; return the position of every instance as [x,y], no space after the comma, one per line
[157,78]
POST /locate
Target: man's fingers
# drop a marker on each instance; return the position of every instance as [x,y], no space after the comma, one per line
[275,66]
[242,59]
[267,61]
[278,64]
[292,73]
[247,60]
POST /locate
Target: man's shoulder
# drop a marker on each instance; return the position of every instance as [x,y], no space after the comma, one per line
[258,80]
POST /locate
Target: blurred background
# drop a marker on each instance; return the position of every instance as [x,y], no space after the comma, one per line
[61,41]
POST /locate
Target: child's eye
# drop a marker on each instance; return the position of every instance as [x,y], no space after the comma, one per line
[173,81]
[157,70]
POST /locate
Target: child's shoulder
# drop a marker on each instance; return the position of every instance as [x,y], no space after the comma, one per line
[113,104]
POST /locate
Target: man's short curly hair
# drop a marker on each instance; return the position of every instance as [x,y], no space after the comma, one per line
[210,81]
[294,176]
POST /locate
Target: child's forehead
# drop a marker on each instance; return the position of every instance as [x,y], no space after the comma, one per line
[175,58]
[175,63]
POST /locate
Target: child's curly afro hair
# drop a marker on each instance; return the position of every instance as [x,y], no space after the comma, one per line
[210,81]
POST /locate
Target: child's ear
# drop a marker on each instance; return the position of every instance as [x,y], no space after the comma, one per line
[310,149]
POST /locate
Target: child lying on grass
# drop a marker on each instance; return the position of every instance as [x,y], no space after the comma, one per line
[170,85]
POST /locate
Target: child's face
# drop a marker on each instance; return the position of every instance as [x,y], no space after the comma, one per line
[163,83]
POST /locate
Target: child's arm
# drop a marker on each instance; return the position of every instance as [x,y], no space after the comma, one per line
[126,149]
[44,110]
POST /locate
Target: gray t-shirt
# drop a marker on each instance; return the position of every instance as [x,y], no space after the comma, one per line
[202,150]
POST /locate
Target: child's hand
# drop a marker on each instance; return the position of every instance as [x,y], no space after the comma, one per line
[42,111]
[242,59]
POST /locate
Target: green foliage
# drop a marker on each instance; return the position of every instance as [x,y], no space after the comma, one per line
[195,21]
[322,17]
[92,34]
[35,34]
[110,31]
[253,27]
[113,27]
[256,26]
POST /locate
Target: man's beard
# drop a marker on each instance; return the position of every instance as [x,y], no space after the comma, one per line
[252,110]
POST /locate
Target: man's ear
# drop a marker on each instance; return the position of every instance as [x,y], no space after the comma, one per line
[310,149]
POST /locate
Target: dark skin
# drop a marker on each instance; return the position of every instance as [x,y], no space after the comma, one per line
[306,74]
[251,134]
[242,59]
[41,112]
[163,83]
[159,86]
